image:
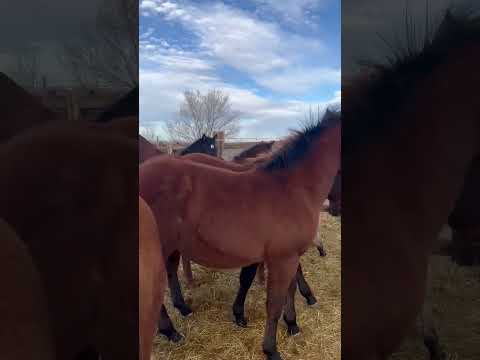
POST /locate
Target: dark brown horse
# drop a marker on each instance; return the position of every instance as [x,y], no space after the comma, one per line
[405,161]
[20,110]
[206,145]
[26,332]
[254,151]
[225,219]
[69,191]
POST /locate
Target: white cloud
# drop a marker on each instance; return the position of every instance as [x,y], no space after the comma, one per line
[300,80]
[271,57]
[260,49]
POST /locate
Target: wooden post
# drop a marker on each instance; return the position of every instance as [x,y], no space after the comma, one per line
[220,143]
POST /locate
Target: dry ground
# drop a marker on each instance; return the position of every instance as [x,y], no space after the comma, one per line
[456,305]
[211,334]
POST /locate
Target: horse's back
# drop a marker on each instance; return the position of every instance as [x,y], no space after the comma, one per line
[26,328]
[152,278]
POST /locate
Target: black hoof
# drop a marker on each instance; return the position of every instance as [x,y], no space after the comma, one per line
[176,337]
[293,330]
[292,327]
[184,310]
[322,252]
[272,355]
[172,335]
[240,320]
[311,300]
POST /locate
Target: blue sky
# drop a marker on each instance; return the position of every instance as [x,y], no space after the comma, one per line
[274,58]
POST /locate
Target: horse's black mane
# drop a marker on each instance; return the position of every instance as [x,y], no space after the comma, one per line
[373,102]
[126,106]
[300,143]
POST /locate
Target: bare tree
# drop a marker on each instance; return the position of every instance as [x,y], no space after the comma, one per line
[107,54]
[203,114]
[149,134]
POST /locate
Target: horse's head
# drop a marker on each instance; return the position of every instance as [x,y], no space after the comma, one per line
[205,145]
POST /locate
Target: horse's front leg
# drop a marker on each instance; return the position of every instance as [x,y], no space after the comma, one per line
[174,285]
[281,274]
[166,327]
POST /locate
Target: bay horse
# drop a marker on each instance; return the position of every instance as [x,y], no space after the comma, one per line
[225,219]
[405,162]
[72,206]
[20,109]
[26,331]
[152,283]
[303,285]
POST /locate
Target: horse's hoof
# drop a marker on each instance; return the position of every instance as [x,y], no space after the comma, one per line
[176,337]
[293,330]
[322,252]
[311,300]
[172,335]
[185,310]
[240,320]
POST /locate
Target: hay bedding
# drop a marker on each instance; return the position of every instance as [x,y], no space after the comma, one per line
[211,334]
[456,304]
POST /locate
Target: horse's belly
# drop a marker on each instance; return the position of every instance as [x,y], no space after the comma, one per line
[212,256]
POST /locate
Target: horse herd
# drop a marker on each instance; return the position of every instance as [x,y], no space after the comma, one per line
[67,234]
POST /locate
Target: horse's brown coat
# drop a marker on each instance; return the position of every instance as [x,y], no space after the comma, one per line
[70,192]
[225,219]
[152,278]
[398,191]
[25,333]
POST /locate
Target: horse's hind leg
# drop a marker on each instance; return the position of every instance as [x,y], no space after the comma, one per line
[430,336]
[174,285]
[246,278]
[187,271]
[319,244]
[304,287]
[289,313]
[166,328]
[427,326]
[281,273]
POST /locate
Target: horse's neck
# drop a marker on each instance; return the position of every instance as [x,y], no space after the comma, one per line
[315,173]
